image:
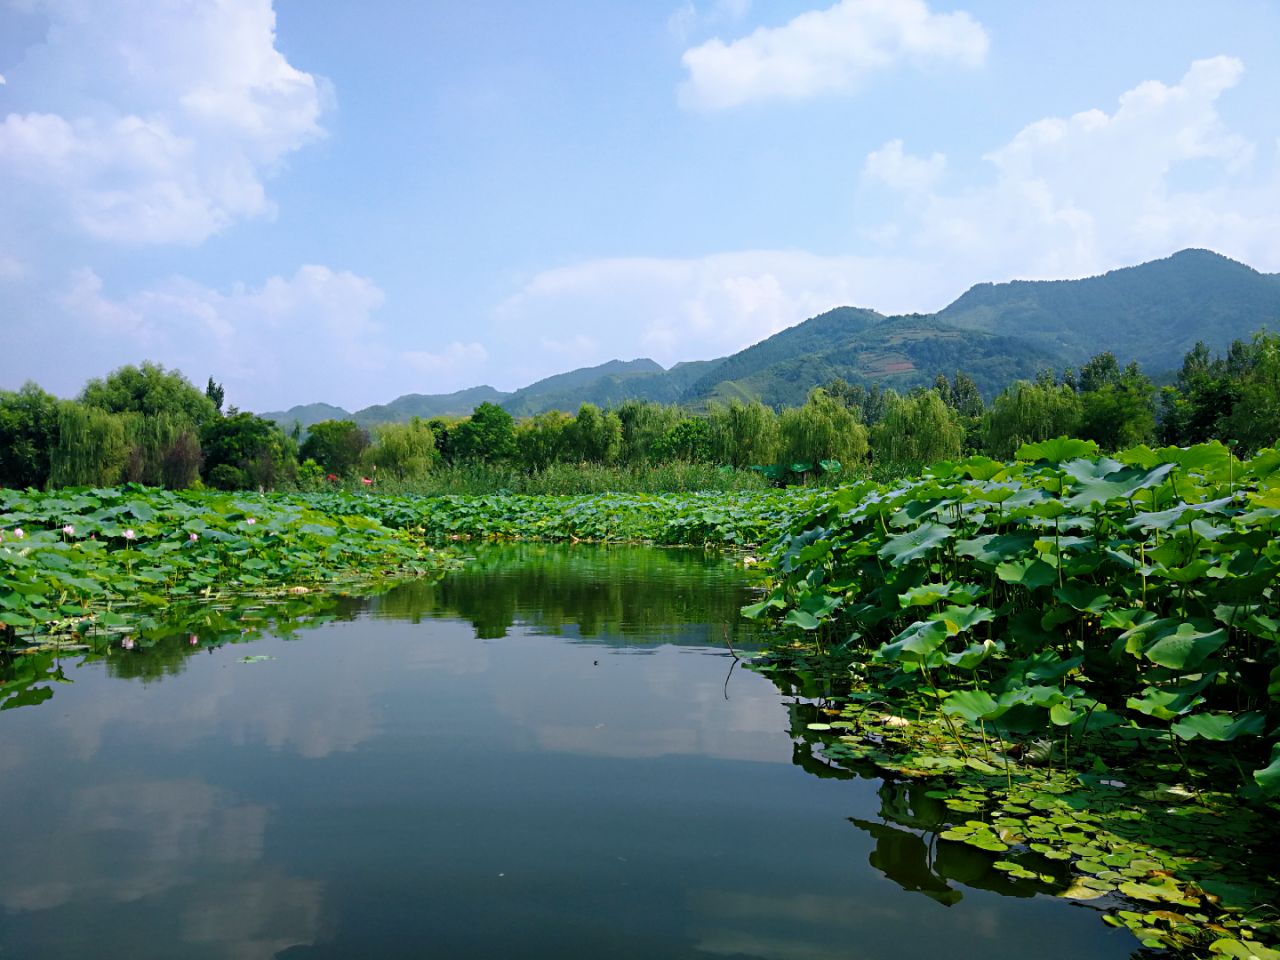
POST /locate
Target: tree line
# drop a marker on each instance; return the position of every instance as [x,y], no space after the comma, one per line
[152,426]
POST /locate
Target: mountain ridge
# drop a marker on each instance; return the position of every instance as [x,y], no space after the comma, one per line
[996,332]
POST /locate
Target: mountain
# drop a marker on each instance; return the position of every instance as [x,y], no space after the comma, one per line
[811,337]
[306,416]
[405,408]
[1153,313]
[996,332]
[568,391]
[898,352]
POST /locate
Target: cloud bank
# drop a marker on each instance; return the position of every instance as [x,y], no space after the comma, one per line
[1087,193]
[155,123]
[828,51]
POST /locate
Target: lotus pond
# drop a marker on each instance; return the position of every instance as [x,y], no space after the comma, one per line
[1052,680]
[549,752]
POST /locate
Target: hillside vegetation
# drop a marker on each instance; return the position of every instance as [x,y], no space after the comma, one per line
[1151,314]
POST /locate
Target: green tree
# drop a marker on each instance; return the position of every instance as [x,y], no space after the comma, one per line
[337,445]
[688,440]
[823,429]
[164,414]
[1026,413]
[215,393]
[242,451]
[163,450]
[1119,411]
[405,451]
[28,433]
[150,390]
[917,428]
[744,434]
[867,402]
[487,436]
[644,426]
[594,436]
[91,449]
[1255,419]
[1198,406]
[541,439]
[1102,370]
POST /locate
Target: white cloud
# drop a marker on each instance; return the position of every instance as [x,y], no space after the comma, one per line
[299,338]
[1079,195]
[901,171]
[456,354]
[158,123]
[828,51]
[293,339]
[689,19]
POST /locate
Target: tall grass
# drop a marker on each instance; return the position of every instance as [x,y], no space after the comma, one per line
[574,478]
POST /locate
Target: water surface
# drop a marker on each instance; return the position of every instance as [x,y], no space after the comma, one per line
[550,754]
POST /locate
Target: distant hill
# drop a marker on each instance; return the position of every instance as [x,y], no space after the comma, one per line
[1153,313]
[568,391]
[997,333]
[306,416]
[811,337]
[898,352]
[426,406]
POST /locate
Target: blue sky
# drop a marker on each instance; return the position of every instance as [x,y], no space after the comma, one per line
[320,200]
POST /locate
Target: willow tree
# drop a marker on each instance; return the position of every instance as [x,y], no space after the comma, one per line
[541,439]
[917,428]
[91,448]
[151,390]
[645,425]
[823,429]
[163,450]
[594,436]
[1026,413]
[744,434]
[405,451]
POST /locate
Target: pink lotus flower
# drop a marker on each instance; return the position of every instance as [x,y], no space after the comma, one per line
[18,532]
[127,643]
[194,537]
[69,530]
[250,521]
[130,535]
[193,639]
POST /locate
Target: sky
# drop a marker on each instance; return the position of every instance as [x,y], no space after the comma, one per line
[318,200]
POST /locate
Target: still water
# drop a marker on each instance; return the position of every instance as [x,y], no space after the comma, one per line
[550,754]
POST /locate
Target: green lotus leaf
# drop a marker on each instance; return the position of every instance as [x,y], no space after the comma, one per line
[1220,726]
[1183,647]
[1084,596]
[961,619]
[1122,483]
[1243,950]
[1056,450]
[1029,573]
[973,706]
[915,544]
[914,644]
[1268,778]
[993,548]
[802,619]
